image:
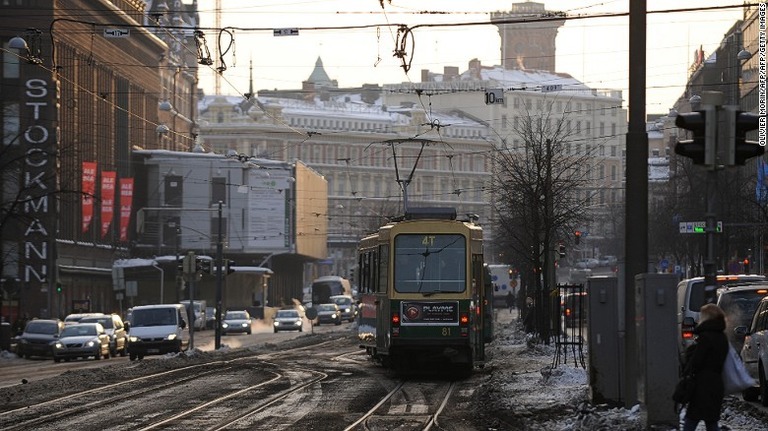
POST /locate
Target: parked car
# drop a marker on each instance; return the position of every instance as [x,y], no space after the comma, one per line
[38,337]
[82,340]
[607,261]
[236,321]
[754,352]
[690,298]
[287,320]
[739,304]
[347,307]
[574,308]
[328,313]
[115,328]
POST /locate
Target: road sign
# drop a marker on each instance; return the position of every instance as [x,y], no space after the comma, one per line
[494,96]
[285,32]
[117,32]
[697,227]
[550,88]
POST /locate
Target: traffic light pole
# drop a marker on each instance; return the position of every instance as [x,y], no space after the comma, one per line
[713,101]
[220,262]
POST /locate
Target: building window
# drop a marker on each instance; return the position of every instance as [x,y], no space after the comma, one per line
[218,190]
[174,190]
[504,122]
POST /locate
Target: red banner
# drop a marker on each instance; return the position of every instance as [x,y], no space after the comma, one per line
[107,200]
[126,201]
[88,192]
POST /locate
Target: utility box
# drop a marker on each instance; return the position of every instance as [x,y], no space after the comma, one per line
[606,349]
[655,320]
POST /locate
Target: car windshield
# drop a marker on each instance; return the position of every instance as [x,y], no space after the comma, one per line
[342,301]
[77,331]
[106,322]
[42,328]
[154,317]
[239,315]
[739,307]
[327,307]
[287,313]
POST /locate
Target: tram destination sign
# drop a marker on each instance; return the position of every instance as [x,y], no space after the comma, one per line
[698,227]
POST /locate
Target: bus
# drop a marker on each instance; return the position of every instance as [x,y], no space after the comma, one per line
[330,285]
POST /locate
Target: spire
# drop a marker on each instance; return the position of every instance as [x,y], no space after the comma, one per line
[250,85]
[318,75]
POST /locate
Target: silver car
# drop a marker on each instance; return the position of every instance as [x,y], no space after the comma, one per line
[754,353]
[287,320]
[81,340]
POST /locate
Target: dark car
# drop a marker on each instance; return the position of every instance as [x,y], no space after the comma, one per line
[236,321]
[113,325]
[287,320]
[328,313]
[38,337]
[210,317]
[81,340]
[347,307]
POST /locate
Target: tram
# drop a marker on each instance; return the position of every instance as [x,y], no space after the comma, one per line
[425,293]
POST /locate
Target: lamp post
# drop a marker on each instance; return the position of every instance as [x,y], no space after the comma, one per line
[219,260]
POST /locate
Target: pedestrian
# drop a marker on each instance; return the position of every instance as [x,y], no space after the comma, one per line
[704,361]
[510,301]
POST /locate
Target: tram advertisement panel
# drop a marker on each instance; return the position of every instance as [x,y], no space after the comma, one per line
[428,313]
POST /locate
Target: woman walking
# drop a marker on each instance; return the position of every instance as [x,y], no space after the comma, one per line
[704,361]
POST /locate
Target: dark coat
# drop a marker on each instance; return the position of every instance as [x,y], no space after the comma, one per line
[704,360]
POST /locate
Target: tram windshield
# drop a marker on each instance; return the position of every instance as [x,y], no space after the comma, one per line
[430,263]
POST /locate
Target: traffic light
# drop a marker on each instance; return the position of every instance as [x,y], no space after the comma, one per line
[743,122]
[229,266]
[577,236]
[58,288]
[746,266]
[701,149]
[561,249]
[204,265]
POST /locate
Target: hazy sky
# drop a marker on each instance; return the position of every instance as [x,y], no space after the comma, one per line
[593,50]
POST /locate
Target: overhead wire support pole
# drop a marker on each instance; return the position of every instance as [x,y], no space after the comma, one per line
[219,278]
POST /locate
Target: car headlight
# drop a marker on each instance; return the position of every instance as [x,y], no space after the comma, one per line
[277,323]
[333,316]
[133,339]
[346,310]
[90,343]
[24,341]
[58,346]
[171,337]
[225,325]
[245,325]
[298,323]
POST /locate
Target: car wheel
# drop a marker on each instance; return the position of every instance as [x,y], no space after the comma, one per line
[301,329]
[338,322]
[751,394]
[124,351]
[763,386]
[57,360]
[275,330]
[132,356]
[141,357]
[108,354]
[249,332]
[97,356]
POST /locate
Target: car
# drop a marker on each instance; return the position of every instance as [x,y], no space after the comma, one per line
[73,318]
[328,313]
[574,308]
[607,261]
[210,317]
[690,298]
[739,303]
[157,329]
[754,352]
[38,337]
[236,321]
[81,340]
[347,307]
[115,328]
[287,320]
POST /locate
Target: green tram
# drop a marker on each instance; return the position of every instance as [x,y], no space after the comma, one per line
[425,293]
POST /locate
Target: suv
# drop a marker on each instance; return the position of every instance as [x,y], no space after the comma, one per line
[754,353]
[690,298]
[739,304]
[38,337]
[347,307]
[114,327]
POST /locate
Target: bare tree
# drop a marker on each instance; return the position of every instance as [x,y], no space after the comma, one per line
[541,192]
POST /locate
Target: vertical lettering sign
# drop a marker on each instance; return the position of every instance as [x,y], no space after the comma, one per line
[88,191]
[126,201]
[107,200]
[38,177]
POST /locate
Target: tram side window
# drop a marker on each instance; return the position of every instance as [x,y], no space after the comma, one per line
[383,269]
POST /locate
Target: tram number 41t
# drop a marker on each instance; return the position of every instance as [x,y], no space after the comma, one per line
[494,96]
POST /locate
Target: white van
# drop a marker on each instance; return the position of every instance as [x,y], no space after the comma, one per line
[156,330]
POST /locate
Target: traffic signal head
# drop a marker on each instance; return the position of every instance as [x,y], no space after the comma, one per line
[577,236]
[701,148]
[561,249]
[742,148]
[204,265]
[58,288]
[229,266]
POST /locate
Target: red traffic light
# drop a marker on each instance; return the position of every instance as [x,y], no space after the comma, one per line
[577,236]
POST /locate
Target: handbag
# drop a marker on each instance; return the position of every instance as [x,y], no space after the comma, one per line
[684,389]
[735,377]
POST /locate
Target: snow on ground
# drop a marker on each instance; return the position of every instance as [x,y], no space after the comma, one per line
[523,391]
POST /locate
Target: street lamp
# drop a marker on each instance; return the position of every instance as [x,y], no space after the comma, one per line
[162,281]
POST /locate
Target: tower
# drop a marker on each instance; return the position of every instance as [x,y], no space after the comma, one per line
[527,45]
